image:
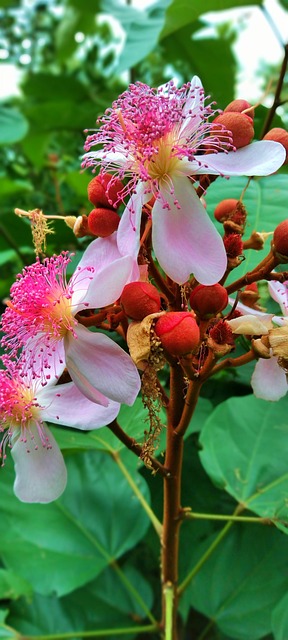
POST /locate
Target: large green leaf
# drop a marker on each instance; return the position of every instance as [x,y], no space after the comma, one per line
[6,633]
[242,581]
[280,619]
[13,125]
[182,12]
[266,203]
[105,602]
[194,57]
[61,546]
[12,586]
[245,451]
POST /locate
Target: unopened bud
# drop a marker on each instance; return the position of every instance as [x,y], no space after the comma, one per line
[278,135]
[79,225]
[280,240]
[224,209]
[240,105]
[250,296]
[104,190]
[178,332]
[140,299]
[207,301]
[103,222]
[238,124]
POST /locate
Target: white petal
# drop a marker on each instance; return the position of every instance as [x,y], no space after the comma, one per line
[251,324]
[193,108]
[185,240]
[257,159]
[98,364]
[107,157]
[269,381]
[66,405]
[41,474]
[128,233]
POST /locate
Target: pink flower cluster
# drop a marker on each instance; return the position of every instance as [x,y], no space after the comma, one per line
[41,337]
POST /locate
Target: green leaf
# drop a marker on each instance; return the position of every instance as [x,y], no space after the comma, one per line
[142,27]
[245,451]
[13,586]
[280,619]
[63,545]
[6,633]
[193,57]
[13,125]
[242,581]
[182,12]
[266,204]
[9,187]
[105,602]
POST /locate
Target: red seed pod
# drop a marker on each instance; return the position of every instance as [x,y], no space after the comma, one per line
[104,190]
[224,209]
[140,299]
[240,126]
[103,222]
[207,301]
[178,332]
[233,245]
[221,333]
[238,106]
[280,238]
[278,135]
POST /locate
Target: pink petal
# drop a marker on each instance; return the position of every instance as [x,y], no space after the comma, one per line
[96,363]
[257,159]
[279,292]
[185,240]
[268,380]
[65,404]
[111,271]
[41,474]
[40,362]
[128,233]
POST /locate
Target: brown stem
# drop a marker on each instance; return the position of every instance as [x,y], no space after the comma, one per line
[277,100]
[258,273]
[233,362]
[164,288]
[133,446]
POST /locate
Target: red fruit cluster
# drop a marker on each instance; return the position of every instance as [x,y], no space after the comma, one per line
[240,105]
[225,208]
[238,124]
[209,300]
[103,192]
[178,332]
[140,299]
[280,238]
[278,135]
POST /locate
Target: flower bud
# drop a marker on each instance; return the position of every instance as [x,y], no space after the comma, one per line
[104,190]
[280,239]
[240,126]
[250,296]
[178,332]
[278,135]
[224,209]
[103,222]
[207,301]
[140,299]
[238,106]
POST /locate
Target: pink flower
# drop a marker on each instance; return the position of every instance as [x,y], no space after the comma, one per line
[161,140]
[41,318]
[24,406]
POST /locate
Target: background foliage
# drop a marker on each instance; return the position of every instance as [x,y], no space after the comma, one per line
[90,561]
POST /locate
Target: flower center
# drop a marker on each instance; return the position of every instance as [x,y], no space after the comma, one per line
[163,164]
